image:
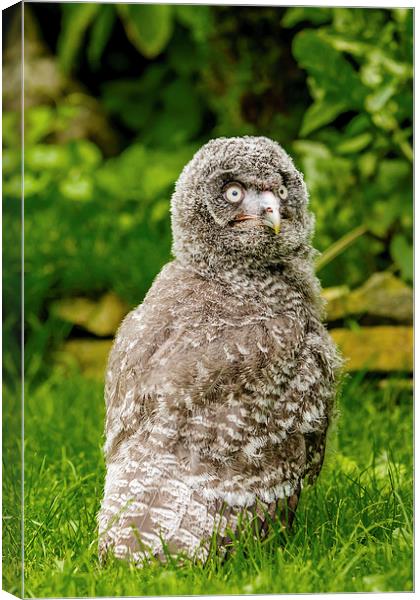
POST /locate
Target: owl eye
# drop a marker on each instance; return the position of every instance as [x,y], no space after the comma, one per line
[234,193]
[283,192]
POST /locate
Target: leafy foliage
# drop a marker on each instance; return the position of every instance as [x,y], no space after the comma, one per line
[359,74]
[149,26]
[70,188]
[333,85]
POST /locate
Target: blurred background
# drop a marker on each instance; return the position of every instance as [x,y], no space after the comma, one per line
[119,97]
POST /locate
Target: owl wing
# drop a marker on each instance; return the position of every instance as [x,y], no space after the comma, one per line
[329,364]
[151,389]
[165,361]
[315,453]
[169,359]
[187,346]
[310,396]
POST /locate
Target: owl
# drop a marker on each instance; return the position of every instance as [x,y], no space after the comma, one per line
[220,386]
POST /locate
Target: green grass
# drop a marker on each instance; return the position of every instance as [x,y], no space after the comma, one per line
[353,530]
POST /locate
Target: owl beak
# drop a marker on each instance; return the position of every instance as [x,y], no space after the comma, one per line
[263,207]
[270,210]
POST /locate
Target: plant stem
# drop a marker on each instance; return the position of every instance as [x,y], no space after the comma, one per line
[339,246]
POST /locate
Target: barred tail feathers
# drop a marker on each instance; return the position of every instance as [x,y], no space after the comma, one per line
[148,511]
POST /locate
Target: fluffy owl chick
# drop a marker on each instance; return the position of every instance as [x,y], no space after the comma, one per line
[220,385]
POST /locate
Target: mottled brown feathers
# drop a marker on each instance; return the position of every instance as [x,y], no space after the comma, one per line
[221,384]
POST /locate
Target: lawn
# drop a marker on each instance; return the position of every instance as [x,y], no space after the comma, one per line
[353,531]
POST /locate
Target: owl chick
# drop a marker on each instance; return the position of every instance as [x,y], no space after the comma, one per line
[220,385]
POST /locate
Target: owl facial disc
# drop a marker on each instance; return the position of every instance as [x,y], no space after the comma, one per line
[261,206]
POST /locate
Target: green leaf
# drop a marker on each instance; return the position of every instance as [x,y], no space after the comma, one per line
[148,26]
[377,100]
[181,117]
[162,170]
[314,15]
[124,97]
[12,187]
[101,32]
[355,144]
[11,129]
[320,113]
[359,124]
[125,167]
[11,161]
[33,184]
[199,19]
[39,122]
[87,153]
[77,187]
[393,174]
[330,71]
[342,44]
[314,149]
[76,19]
[402,253]
[384,215]
[367,164]
[47,157]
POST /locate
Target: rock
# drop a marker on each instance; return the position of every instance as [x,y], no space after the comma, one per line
[73,310]
[101,318]
[107,315]
[383,295]
[336,298]
[87,354]
[381,348]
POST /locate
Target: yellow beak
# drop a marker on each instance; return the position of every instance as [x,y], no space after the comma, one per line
[270,207]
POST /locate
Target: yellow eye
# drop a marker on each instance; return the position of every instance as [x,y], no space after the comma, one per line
[283,192]
[234,193]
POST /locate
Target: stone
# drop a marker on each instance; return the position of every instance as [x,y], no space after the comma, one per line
[101,317]
[383,295]
[89,355]
[383,348]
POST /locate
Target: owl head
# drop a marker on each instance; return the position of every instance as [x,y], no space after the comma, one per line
[240,199]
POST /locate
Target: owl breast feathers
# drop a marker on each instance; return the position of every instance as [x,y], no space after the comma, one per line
[220,386]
